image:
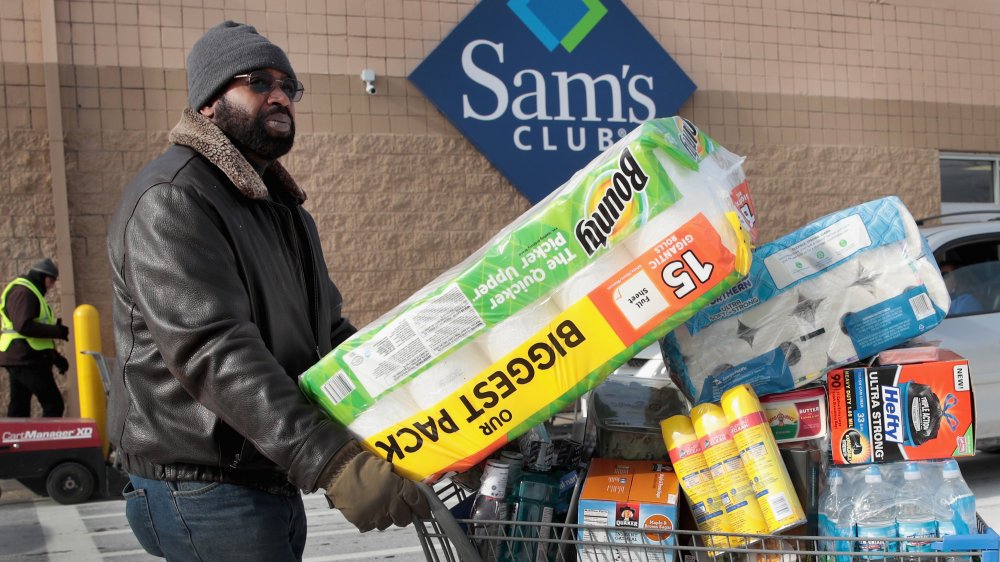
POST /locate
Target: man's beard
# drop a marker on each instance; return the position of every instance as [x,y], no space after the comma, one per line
[250,133]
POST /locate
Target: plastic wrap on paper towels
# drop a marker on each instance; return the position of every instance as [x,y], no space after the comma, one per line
[630,247]
[844,287]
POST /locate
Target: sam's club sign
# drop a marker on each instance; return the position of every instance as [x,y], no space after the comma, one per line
[541,87]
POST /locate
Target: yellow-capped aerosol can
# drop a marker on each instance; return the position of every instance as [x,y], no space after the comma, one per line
[730,477]
[686,455]
[752,433]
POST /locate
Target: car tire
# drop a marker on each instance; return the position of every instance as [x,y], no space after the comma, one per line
[69,483]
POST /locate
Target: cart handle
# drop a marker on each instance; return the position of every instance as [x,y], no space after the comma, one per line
[988,542]
[439,512]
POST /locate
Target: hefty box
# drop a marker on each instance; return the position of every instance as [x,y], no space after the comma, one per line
[915,411]
[628,496]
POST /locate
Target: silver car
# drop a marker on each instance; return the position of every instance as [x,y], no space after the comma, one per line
[968,254]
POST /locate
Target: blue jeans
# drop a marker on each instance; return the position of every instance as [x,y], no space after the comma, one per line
[214,521]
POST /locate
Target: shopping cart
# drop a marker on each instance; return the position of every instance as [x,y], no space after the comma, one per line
[444,538]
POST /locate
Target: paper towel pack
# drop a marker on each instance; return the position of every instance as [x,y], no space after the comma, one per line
[631,246]
[844,287]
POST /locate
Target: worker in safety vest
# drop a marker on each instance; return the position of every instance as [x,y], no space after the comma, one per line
[27,341]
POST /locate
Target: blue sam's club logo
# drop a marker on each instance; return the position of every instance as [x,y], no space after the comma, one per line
[559,22]
[541,87]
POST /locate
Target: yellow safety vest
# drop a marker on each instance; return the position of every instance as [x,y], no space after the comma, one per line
[45,316]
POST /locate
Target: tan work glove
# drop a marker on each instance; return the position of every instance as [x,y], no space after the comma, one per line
[369,494]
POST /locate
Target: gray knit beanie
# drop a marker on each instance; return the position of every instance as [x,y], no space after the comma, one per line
[46,267]
[224,51]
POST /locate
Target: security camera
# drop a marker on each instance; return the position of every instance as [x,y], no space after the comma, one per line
[368,77]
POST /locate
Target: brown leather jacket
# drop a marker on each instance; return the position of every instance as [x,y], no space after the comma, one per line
[221,299]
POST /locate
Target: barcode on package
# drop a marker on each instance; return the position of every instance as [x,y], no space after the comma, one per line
[922,306]
[338,387]
[779,505]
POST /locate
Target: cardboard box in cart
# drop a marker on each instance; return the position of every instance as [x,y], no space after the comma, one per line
[628,495]
[913,411]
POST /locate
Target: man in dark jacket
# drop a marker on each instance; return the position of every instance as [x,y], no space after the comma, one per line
[221,299]
[27,342]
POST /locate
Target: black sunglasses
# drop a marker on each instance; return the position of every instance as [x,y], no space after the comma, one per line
[263,82]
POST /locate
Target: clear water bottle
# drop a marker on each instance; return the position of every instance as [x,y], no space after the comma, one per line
[875,518]
[915,519]
[490,505]
[954,504]
[836,516]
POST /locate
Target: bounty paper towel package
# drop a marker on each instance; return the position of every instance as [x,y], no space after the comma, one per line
[844,287]
[626,250]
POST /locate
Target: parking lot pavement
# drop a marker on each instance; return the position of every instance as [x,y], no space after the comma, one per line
[980,472]
[34,528]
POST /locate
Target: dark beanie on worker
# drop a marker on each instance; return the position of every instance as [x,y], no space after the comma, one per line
[46,267]
[227,50]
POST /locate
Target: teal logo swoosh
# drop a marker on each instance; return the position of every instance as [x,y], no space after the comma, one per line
[559,22]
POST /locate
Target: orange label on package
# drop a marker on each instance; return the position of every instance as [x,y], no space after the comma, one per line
[683,266]
[478,415]
[890,413]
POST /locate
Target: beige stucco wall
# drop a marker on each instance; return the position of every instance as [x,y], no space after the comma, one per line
[832,101]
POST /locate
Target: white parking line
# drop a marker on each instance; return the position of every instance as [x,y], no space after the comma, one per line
[66,537]
[126,530]
[118,553]
[353,531]
[367,555]
[102,515]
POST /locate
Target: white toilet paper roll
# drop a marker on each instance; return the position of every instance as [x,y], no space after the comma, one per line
[840,349]
[660,227]
[930,276]
[886,272]
[869,269]
[718,334]
[390,409]
[891,284]
[811,361]
[713,361]
[716,344]
[736,352]
[683,337]
[771,311]
[501,339]
[914,240]
[598,272]
[448,375]
[829,281]
[831,311]
[789,330]
[701,191]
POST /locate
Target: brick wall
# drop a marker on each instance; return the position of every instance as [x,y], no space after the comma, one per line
[832,101]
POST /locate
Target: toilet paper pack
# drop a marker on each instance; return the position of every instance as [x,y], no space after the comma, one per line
[656,227]
[844,287]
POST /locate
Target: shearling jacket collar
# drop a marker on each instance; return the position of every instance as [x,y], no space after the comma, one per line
[196,131]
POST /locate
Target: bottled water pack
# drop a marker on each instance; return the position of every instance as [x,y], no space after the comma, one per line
[915,501]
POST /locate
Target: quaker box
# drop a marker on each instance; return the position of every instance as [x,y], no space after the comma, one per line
[891,412]
[628,496]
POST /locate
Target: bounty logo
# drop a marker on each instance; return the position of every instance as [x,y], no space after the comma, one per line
[559,22]
[541,87]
